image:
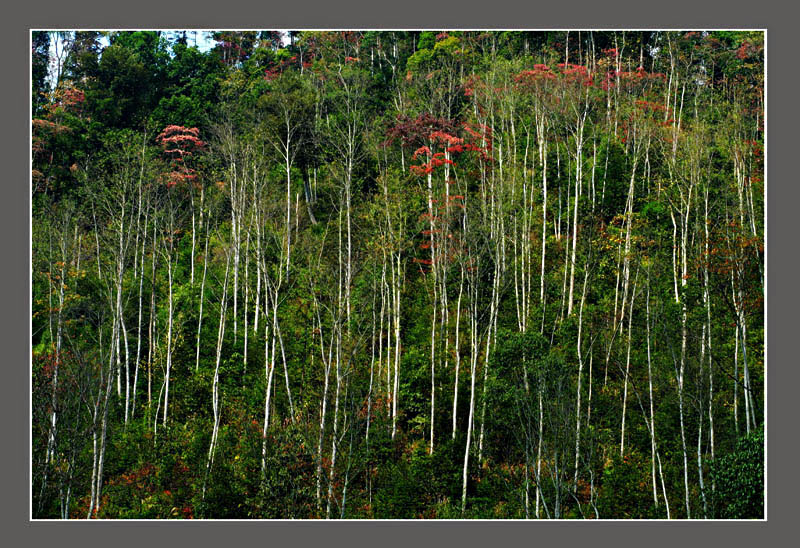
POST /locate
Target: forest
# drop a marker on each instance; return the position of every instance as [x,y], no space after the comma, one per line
[366,275]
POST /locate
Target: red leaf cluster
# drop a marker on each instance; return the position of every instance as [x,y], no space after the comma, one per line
[180,143]
[421,150]
[446,138]
[185,139]
[417,131]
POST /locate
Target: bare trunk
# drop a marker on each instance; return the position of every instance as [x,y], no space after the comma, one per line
[473,367]
[458,353]
[202,299]
[580,378]
[215,404]
[170,310]
[627,374]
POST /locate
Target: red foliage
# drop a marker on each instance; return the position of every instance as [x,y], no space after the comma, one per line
[421,150]
[649,105]
[421,170]
[68,99]
[72,97]
[574,70]
[446,138]
[529,78]
[185,140]
[47,125]
[748,50]
[179,144]
[417,131]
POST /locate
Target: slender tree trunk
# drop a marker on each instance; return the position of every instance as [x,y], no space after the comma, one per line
[202,300]
[650,391]
[457,352]
[215,403]
[170,310]
[627,374]
[580,378]
[139,321]
[473,367]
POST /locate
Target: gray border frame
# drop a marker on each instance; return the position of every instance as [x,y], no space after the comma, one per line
[15,228]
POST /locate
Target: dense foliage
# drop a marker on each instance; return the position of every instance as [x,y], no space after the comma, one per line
[398,275]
